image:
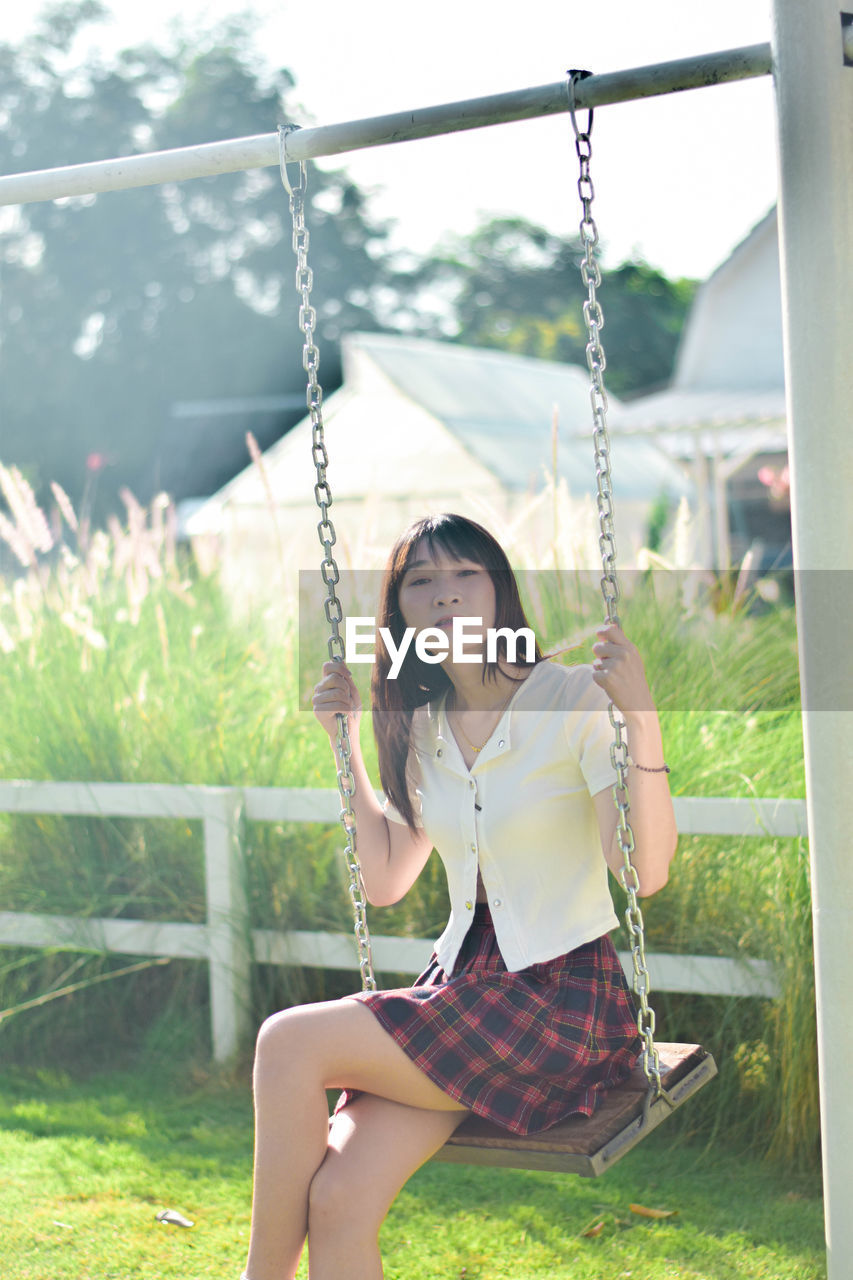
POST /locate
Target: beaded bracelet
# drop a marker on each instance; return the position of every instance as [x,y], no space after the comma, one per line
[645,768]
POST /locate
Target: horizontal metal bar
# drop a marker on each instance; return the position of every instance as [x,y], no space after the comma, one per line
[527,104]
[262,150]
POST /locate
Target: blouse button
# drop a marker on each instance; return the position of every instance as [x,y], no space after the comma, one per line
[472,786]
[469,906]
[473,848]
[501,743]
[439,753]
[496,902]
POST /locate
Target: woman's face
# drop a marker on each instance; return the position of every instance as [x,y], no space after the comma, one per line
[436,588]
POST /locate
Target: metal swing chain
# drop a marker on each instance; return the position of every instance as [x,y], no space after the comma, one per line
[327,536]
[594,318]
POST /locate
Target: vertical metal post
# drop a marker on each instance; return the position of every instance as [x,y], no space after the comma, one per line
[228,937]
[704,514]
[722,542]
[814,95]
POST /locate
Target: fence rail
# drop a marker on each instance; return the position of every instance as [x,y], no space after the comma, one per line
[228,944]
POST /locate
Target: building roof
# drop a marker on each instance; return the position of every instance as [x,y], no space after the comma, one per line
[410,410]
[502,407]
[724,422]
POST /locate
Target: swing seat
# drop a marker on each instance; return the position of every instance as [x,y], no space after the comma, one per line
[588,1145]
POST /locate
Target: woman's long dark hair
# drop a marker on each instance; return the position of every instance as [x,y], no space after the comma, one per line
[394,701]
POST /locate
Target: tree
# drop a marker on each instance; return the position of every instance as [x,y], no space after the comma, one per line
[115,307]
[516,286]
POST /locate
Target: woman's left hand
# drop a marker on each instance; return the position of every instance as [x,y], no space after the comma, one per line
[618,670]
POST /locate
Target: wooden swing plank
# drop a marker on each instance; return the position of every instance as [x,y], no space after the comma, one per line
[587,1145]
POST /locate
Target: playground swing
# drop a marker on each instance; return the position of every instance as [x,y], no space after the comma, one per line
[669,1073]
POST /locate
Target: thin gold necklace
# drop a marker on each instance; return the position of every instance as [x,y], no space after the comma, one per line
[501,710]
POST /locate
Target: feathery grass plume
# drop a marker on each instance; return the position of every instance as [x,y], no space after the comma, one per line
[142,564]
[117,549]
[97,563]
[164,523]
[147,553]
[64,504]
[126,566]
[157,523]
[68,580]
[568,540]
[163,632]
[28,515]
[258,461]
[20,547]
[82,625]
[24,614]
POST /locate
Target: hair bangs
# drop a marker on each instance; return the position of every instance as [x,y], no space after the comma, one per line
[455,537]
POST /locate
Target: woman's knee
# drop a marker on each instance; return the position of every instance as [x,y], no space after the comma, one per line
[280,1042]
[342,1205]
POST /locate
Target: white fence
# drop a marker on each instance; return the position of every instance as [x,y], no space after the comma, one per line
[228,943]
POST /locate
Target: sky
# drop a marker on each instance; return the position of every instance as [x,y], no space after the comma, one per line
[679,180]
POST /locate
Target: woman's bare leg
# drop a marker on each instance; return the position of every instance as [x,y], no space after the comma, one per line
[374,1148]
[301,1053]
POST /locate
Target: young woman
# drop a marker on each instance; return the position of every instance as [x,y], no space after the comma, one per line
[523,1014]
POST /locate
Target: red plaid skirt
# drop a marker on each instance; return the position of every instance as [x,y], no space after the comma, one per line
[524,1049]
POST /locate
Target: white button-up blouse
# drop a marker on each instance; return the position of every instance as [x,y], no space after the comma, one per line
[523,814]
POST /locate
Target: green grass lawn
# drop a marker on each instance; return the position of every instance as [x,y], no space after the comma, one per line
[86,1166]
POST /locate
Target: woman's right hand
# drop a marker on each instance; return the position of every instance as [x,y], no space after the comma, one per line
[335,694]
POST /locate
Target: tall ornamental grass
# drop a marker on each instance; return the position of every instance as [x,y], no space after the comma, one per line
[120,660]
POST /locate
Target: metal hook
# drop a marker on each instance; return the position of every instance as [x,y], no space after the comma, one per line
[574,76]
[283,131]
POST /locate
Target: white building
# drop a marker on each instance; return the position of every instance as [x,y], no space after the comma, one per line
[420,427]
[724,414]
